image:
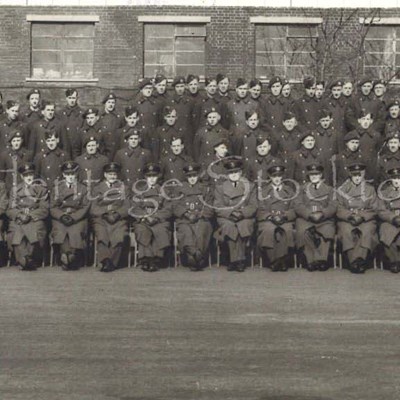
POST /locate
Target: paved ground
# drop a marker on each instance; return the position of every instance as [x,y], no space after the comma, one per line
[179,335]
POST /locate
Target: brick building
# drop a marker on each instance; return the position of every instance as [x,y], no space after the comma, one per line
[104,47]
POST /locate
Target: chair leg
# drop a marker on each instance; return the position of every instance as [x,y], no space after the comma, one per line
[334,254]
[218,254]
[51,255]
[95,251]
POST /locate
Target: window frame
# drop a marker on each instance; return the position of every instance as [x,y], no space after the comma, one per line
[311,22]
[175,21]
[61,19]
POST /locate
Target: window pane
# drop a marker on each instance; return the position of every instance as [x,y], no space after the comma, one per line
[378,45]
[39,43]
[190,30]
[299,59]
[189,58]
[385,59]
[71,57]
[271,31]
[80,30]
[269,71]
[192,69]
[270,59]
[47,71]
[46,29]
[78,43]
[157,57]
[46,57]
[151,70]
[298,73]
[302,31]
[159,44]
[299,45]
[380,72]
[270,45]
[193,44]
[397,59]
[379,32]
[159,30]
[81,71]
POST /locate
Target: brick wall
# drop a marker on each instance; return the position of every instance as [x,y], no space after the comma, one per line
[118,59]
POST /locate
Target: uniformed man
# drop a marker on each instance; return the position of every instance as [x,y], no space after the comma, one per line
[165,132]
[192,83]
[275,218]
[35,132]
[356,214]
[90,128]
[255,93]
[49,161]
[150,213]
[109,212]
[148,110]
[69,208]
[28,208]
[307,154]
[380,86]
[319,90]
[160,94]
[392,122]
[71,115]
[347,89]
[132,158]
[307,106]
[223,95]
[365,100]
[258,166]
[31,112]
[390,155]
[235,204]
[315,224]
[184,107]
[193,213]
[14,156]
[132,122]
[274,105]
[206,137]
[336,104]
[91,163]
[350,155]
[110,121]
[10,123]
[235,109]
[389,214]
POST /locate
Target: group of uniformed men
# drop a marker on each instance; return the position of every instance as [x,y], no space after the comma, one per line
[255,171]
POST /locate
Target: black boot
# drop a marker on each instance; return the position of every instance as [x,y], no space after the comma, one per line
[107,265]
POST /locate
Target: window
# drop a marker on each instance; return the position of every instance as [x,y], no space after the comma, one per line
[174,49]
[62,50]
[382,51]
[286,50]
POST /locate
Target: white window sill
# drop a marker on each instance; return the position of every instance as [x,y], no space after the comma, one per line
[286,20]
[94,80]
[173,18]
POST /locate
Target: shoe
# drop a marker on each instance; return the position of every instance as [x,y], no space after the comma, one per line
[231,267]
[64,262]
[107,265]
[241,266]
[28,264]
[395,267]
[323,266]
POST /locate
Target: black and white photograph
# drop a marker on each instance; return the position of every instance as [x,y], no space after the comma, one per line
[199,200]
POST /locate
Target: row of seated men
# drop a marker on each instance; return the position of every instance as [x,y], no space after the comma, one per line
[293,147]
[275,216]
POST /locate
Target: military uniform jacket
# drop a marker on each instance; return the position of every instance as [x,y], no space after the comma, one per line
[361,200]
[287,142]
[370,142]
[91,167]
[257,168]
[387,161]
[8,126]
[36,135]
[389,208]
[3,206]
[106,200]
[87,132]
[342,162]
[228,198]
[204,141]
[235,112]
[161,100]
[213,170]
[172,166]
[326,141]
[73,201]
[338,109]
[161,145]
[184,110]
[274,108]
[72,120]
[27,115]
[306,109]
[310,200]
[206,103]
[392,125]
[32,201]
[148,110]
[11,160]
[110,122]
[196,199]
[244,142]
[370,103]
[122,142]
[132,162]
[304,157]
[48,164]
